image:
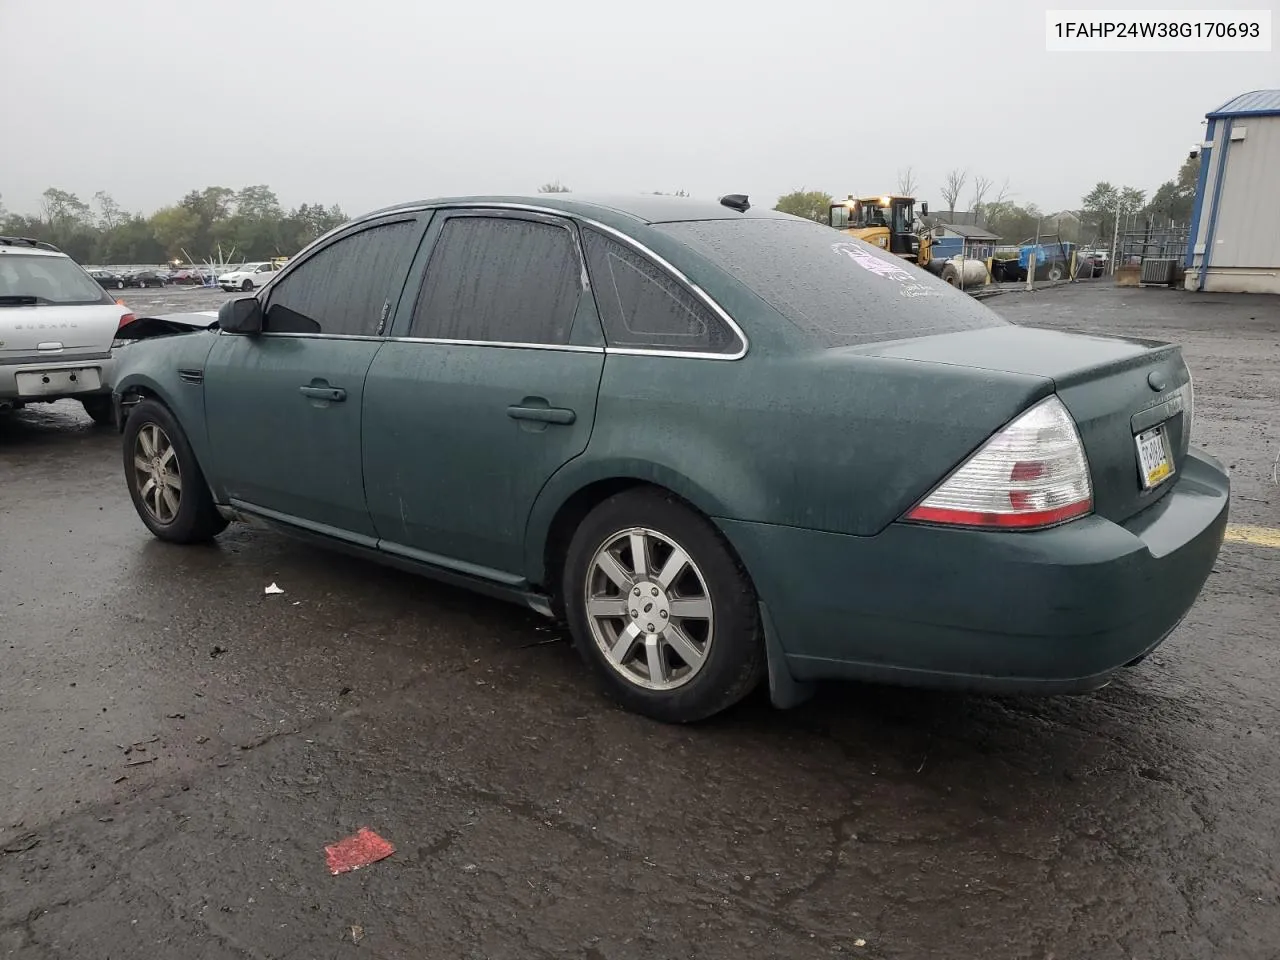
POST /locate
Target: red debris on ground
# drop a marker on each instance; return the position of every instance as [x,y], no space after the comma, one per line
[364,848]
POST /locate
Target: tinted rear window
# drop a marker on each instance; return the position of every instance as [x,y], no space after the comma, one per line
[53,281]
[500,279]
[838,290]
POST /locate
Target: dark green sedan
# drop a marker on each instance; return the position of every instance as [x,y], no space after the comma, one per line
[724,444]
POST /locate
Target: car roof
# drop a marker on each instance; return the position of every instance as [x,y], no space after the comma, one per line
[638,208]
[26,247]
[29,251]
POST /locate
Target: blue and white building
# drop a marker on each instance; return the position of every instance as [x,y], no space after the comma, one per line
[1234,246]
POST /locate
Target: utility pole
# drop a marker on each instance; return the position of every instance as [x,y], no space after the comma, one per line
[1115,240]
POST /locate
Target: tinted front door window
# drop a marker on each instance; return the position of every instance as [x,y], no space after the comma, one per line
[345,288]
[500,279]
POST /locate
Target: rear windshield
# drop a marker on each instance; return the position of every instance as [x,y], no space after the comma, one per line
[839,290]
[56,281]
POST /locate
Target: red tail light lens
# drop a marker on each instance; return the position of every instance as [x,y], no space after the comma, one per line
[125,320]
[1031,474]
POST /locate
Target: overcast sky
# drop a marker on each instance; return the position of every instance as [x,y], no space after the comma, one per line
[372,102]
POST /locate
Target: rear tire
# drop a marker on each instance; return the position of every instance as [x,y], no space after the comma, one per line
[99,409]
[164,480]
[683,627]
[1054,272]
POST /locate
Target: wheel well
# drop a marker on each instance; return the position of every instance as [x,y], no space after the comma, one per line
[567,519]
[137,393]
[134,395]
[571,514]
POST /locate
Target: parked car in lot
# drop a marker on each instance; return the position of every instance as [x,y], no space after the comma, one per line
[1099,260]
[724,444]
[187,277]
[248,276]
[56,330]
[108,280]
[146,278]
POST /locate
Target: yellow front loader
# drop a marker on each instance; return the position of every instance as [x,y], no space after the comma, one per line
[888,222]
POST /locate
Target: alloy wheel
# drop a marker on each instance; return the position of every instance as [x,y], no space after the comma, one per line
[649,609]
[159,478]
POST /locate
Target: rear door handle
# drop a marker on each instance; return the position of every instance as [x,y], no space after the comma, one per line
[333,394]
[542,414]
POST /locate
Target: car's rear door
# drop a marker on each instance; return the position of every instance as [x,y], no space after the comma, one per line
[283,408]
[487,387]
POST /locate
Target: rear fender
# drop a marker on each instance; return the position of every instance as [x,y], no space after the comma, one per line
[579,474]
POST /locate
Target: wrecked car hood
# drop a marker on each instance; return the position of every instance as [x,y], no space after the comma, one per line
[168,323]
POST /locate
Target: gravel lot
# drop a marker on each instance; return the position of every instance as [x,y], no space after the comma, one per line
[176,749]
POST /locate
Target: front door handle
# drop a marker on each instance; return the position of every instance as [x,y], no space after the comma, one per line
[541,414]
[332,394]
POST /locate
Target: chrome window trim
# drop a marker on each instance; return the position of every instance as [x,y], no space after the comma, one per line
[302,336]
[616,234]
[509,344]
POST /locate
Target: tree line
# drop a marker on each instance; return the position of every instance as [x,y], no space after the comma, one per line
[251,224]
[994,208]
[246,224]
[213,223]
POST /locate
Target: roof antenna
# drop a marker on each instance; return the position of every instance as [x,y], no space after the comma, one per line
[736,201]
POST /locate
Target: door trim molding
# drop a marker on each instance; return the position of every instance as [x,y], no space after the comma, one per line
[289,519]
[456,566]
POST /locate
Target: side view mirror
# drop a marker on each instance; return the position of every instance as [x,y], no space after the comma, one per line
[241,315]
[924,208]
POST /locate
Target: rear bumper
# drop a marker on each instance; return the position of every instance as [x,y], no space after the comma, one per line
[1057,610]
[11,391]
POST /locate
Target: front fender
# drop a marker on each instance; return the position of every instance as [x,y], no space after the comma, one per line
[171,369]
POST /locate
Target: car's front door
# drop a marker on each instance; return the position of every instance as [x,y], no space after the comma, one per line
[283,407]
[486,388]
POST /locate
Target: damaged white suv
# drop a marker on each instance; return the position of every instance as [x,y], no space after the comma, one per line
[57,326]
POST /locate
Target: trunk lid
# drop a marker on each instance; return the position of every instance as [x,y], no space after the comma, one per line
[1115,388]
[48,332]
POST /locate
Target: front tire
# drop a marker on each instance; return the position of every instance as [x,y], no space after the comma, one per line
[661,609]
[119,284]
[165,483]
[99,409]
[1054,273]
[247,286]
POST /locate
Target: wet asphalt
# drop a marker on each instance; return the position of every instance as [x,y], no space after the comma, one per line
[177,748]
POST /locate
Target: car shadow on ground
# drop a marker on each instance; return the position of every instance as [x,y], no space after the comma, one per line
[432,628]
[48,425]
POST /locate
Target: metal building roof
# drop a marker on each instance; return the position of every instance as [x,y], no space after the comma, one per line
[1255,103]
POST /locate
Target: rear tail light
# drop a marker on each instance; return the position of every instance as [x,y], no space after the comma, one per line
[1033,473]
[126,318]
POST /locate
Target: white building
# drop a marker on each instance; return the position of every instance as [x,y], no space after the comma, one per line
[1234,245]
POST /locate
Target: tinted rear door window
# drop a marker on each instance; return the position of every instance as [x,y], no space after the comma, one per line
[642,306]
[346,288]
[839,290]
[500,279]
